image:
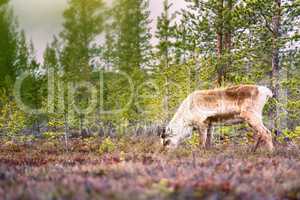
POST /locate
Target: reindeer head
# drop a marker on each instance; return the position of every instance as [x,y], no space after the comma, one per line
[163,134]
[169,139]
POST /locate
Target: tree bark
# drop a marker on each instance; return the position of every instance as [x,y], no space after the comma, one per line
[219,44]
[290,122]
[66,124]
[220,38]
[227,38]
[82,132]
[274,115]
[228,31]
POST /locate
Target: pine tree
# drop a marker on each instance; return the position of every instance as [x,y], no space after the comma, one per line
[212,28]
[32,87]
[52,66]
[3,2]
[8,46]
[165,34]
[12,119]
[133,34]
[109,48]
[83,22]
[271,17]
[133,49]
[51,57]
[23,60]
[291,63]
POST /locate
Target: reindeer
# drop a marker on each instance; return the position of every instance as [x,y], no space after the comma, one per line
[202,109]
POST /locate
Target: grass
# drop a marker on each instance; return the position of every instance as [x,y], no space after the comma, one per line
[138,168]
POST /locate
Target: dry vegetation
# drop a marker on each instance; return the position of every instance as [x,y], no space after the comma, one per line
[137,168]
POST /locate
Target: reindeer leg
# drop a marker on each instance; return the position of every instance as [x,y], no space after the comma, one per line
[259,141]
[209,136]
[203,130]
[203,136]
[257,144]
[202,133]
[256,123]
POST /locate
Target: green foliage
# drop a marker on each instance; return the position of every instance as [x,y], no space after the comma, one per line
[295,134]
[131,55]
[107,146]
[194,141]
[297,131]
[54,123]
[12,119]
[131,19]
[52,135]
[69,58]
[8,46]
[162,187]
[25,139]
[83,22]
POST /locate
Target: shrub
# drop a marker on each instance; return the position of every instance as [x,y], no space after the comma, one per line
[52,135]
[107,146]
[194,141]
[12,119]
[290,134]
[26,138]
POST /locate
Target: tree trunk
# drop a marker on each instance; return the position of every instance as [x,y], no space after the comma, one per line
[227,38]
[219,44]
[167,81]
[83,132]
[197,68]
[228,28]
[290,122]
[274,115]
[220,38]
[166,62]
[66,130]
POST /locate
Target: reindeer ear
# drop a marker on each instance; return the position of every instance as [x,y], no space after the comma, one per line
[166,143]
[161,131]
